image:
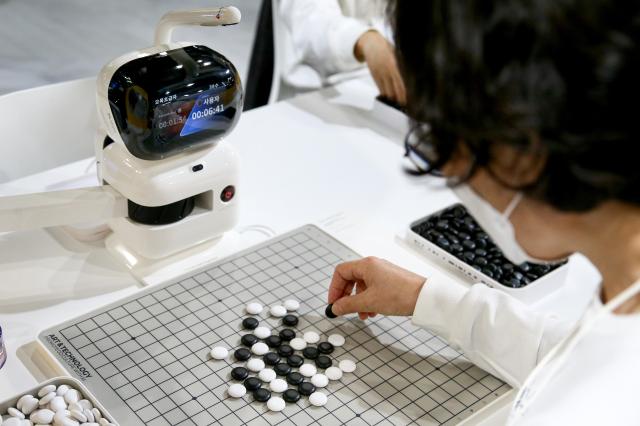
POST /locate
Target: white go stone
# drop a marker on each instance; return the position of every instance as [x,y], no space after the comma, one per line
[29,405]
[255,364]
[267,375]
[236,390]
[254,308]
[262,332]
[298,344]
[14,421]
[57,404]
[47,398]
[308,370]
[311,337]
[62,389]
[96,414]
[13,412]
[333,373]
[336,340]
[75,406]
[43,417]
[22,399]
[278,386]
[291,305]
[219,352]
[278,311]
[318,399]
[85,404]
[72,395]
[259,348]
[79,416]
[45,390]
[319,380]
[347,365]
[276,404]
[89,415]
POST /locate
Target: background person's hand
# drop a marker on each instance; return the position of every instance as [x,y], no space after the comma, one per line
[380,286]
[380,57]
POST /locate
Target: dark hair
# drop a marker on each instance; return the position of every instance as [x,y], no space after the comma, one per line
[558,76]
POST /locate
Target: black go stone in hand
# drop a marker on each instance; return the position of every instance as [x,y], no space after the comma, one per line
[329,312]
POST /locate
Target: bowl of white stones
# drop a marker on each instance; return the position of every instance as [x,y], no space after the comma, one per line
[61,401]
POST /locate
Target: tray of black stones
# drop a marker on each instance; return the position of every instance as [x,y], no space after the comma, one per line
[453,235]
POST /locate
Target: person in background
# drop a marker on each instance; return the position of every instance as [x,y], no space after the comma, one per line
[324,38]
[532,120]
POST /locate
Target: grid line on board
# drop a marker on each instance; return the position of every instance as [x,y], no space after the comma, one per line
[161,338]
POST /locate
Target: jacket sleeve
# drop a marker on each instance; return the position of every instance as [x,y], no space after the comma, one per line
[322,36]
[495,331]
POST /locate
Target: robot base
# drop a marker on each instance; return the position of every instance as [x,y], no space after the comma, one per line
[153,271]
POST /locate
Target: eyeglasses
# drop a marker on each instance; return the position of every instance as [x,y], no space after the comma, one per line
[419,149]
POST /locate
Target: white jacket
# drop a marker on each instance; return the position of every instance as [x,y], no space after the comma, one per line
[597,382]
[317,37]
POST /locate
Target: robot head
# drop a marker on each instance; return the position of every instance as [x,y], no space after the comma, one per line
[172,100]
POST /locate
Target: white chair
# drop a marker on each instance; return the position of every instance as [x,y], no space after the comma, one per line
[46,127]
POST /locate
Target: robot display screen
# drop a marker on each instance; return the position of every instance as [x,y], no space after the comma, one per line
[175,100]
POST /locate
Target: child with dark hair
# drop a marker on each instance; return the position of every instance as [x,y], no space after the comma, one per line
[528,109]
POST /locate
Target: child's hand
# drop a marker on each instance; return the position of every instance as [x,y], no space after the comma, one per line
[380,287]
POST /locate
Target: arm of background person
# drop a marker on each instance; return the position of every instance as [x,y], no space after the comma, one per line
[322,35]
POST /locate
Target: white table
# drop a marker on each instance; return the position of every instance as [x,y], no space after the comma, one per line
[323,158]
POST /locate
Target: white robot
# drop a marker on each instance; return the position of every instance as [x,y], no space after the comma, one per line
[168,178]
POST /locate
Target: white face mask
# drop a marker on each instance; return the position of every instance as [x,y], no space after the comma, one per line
[497,224]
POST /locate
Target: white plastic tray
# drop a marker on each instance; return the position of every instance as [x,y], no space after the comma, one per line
[57,381]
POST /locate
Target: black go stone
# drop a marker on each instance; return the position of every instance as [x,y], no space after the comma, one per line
[248,340]
[239,373]
[250,323]
[329,312]
[282,369]
[295,361]
[242,354]
[295,378]
[285,351]
[261,395]
[271,358]
[306,388]
[310,352]
[287,334]
[252,383]
[290,320]
[323,362]
[457,232]
[325,348]
[291,395]
[273,341]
